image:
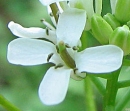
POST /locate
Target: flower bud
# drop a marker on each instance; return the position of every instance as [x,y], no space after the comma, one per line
[122,11]
[101,29]
[121,37]
[113,22]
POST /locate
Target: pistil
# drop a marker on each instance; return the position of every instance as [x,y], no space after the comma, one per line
[66,56]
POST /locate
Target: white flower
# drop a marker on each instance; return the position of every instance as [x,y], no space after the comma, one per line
[30,51]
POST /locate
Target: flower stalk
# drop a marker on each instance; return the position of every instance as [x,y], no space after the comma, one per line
[9,106]
[123,84]
[99,85]
[90,102]
[111,92]
[120,105]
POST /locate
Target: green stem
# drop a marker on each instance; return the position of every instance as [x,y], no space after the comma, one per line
[122,84]
[111,92]
[55,11]
[98,84]
[123,102]
[9,106]
[90,103]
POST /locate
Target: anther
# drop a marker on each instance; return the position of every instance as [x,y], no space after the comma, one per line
[57,49]
[83,72]
[47,24]
[58,14]
[78,75]
[67,45]
[49,57]
[75,48]
[75,69]
[51,14]
[47,31]
[59,66]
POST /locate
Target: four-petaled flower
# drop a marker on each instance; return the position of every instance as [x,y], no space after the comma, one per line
[28,50]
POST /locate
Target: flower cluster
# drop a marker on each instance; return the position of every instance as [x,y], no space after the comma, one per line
[60,48]
[114,28]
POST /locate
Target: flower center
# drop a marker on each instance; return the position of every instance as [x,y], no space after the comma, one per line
[65,55]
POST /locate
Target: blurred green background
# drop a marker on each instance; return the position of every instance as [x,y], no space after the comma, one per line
[19,84]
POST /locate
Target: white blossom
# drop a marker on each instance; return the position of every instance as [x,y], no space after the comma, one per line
[27,50]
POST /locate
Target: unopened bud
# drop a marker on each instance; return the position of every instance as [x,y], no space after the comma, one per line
[101,29]
[113,22]
[122,10]
[121,38]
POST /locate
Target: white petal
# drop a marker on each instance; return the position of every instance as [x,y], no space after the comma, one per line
[70,26]
[113,5]
[32,32]
[48,2]
[29,51]
[56,59]
[54,85]
[98,7]
[87,5]
[101,59]
[90,11]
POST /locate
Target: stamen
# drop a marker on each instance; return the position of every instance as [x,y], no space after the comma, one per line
[58,14]
[59,66]
[47,24]
[75,75]
[51,14]
[47,31]
[75,48]
[67,46]
[75,69]
[78,75]
[49,57]
[59,7]
[68,3]
[57,49]
[83,72]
